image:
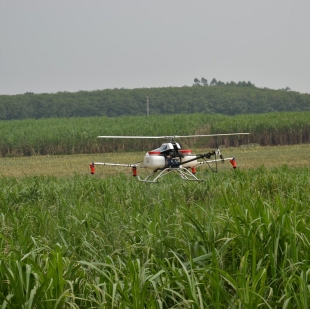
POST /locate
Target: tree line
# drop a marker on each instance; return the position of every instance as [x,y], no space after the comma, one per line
[218,97]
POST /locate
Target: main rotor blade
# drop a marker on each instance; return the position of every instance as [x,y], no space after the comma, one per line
[203,135]
[110,136]
[172,136]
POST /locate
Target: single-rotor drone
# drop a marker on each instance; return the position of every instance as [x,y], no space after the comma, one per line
[171,158]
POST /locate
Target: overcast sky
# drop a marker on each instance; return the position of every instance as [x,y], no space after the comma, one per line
[48,46]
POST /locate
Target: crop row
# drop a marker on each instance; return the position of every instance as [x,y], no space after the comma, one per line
[79,135]
[239,240]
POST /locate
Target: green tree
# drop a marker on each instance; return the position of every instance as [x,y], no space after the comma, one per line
[196,82]
[213,82]
[204,81]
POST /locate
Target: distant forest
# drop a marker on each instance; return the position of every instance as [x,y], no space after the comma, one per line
[203,97]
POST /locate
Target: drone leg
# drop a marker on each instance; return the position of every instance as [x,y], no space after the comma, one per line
[187,175]
[184,173]
[154,180]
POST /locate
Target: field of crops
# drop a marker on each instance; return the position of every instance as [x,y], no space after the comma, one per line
[248,157]
[79,135]
[69,239]
[238,240]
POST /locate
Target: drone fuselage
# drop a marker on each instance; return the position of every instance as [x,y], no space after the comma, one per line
[169,155]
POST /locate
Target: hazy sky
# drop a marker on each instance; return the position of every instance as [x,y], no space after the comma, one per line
[48,46]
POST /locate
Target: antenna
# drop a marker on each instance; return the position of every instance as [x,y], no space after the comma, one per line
[147,106]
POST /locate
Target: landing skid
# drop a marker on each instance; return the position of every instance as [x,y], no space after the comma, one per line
[184,173]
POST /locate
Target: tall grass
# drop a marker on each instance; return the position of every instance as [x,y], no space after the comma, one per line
[79,135]
[267,129]
[238,240]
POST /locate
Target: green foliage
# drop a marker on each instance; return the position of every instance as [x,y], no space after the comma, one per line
[238,240]
[79,135]
[222,98]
